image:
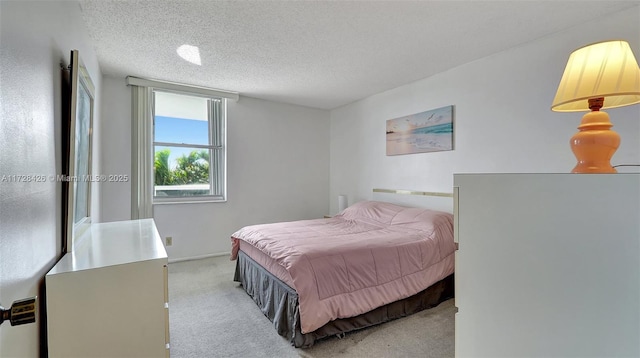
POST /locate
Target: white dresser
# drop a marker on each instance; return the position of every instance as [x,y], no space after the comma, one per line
[548,265]
[109,297]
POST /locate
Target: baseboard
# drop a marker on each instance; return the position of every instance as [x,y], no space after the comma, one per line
[199,257]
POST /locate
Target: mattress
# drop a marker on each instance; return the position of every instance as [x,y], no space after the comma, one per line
[370,255]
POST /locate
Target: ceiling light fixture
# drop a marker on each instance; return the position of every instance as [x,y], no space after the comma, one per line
[190,53]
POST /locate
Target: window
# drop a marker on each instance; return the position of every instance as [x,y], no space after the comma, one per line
[143,141]
[189,147]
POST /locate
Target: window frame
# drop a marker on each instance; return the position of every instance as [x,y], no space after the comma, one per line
[218,173]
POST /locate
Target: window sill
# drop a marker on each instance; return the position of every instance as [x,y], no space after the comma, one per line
[187,201]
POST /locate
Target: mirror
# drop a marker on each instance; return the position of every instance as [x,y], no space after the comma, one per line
[80,131]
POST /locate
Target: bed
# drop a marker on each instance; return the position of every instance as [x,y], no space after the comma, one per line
[373,262]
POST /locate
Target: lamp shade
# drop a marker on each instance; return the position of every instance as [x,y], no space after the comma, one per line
[605,69]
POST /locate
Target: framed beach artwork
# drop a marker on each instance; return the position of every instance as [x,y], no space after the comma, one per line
[430,131]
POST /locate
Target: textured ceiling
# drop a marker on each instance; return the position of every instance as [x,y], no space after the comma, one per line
[319,54]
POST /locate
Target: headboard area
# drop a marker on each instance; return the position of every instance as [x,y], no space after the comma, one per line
[420,199]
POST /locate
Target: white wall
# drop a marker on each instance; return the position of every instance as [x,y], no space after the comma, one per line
[35,37]
[277,170]
[502,118]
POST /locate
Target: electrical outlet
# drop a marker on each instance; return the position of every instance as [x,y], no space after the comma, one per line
[168,240]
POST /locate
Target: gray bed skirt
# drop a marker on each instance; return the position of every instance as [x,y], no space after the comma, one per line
[279,303]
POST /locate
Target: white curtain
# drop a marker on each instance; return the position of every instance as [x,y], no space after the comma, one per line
[142,153]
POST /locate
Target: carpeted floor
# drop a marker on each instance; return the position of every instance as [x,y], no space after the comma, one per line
[211,316]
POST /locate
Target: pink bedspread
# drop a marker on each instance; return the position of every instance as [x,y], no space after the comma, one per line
[372,254]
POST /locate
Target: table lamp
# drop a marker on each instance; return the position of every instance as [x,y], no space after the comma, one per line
[598,76]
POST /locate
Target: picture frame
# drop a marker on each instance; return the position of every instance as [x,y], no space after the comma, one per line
[429,131]
[82,96]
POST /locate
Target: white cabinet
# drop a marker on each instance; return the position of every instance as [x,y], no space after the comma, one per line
[548,265]
[109,297]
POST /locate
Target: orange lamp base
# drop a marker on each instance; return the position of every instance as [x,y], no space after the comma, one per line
[595,144]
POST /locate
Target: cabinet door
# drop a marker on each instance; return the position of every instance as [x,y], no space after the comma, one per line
[166,311]
[109,311]
[548,265]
